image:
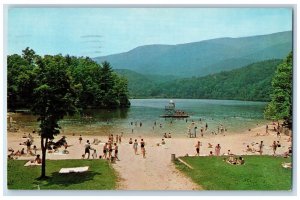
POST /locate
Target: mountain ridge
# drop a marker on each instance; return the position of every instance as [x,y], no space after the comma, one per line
[203,57]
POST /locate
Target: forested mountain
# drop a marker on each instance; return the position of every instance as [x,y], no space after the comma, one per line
[204,57]
[252,82]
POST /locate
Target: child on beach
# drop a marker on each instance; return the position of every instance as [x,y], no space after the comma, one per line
[80,139]
[130,141]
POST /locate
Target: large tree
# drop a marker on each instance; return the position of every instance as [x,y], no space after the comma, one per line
[54,98]
[280,107]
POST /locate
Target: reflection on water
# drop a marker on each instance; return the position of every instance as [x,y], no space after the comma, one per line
[233,115]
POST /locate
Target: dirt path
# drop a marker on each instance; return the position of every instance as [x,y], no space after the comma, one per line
[155,172]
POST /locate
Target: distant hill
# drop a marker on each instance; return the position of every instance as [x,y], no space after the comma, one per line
[252,82]
[139,85]
[204,57]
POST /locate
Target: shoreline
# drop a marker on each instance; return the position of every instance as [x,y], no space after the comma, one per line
[229,139]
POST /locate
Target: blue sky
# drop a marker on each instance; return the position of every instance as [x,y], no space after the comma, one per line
[103,31]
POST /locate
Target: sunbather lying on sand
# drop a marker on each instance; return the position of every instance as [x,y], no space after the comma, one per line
[249,149]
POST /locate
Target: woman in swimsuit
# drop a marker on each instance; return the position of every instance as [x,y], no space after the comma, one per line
[135,146]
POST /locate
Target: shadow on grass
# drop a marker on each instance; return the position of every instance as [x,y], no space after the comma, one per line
[65,180]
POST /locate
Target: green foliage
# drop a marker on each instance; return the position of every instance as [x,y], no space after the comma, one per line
[96,86]
[54,96]
[258,173]
[252,82]
[101,176]
[20,81]
[280,106]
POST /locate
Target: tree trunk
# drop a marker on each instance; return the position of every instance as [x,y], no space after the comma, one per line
[44,142]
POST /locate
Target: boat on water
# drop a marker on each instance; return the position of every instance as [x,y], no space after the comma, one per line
[171,112]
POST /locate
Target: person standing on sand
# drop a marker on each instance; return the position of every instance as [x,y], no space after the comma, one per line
[267,129]
[104,150]
[28,144]
[198,148]
[217,150]
[116,152]
[120,138]
[135,146]
[274,147]
[87,148]
[109,147]
[80,139]
[117,138]
[261,145]
[143,150]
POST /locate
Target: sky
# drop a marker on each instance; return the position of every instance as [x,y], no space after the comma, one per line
[103,31]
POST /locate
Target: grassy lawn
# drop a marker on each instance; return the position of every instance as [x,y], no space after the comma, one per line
[100,176]
[258,173]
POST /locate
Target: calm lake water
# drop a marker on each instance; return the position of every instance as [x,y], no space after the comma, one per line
[235,116]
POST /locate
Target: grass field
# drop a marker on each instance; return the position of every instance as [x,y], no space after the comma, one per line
[100,176]
[258,173]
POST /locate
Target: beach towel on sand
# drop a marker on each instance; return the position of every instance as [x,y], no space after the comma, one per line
[73,170]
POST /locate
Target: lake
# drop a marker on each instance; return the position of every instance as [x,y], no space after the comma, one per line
[235,116]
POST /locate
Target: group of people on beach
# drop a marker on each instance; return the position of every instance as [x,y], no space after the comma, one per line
[217,149]
[135,145]
[111,149]
[31,150]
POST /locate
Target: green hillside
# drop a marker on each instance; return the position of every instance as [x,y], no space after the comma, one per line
[204,57]
[252,82]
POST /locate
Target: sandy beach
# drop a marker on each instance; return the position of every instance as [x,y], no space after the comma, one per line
[156,171]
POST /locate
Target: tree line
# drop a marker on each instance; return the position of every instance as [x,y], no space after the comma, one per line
[93,85]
